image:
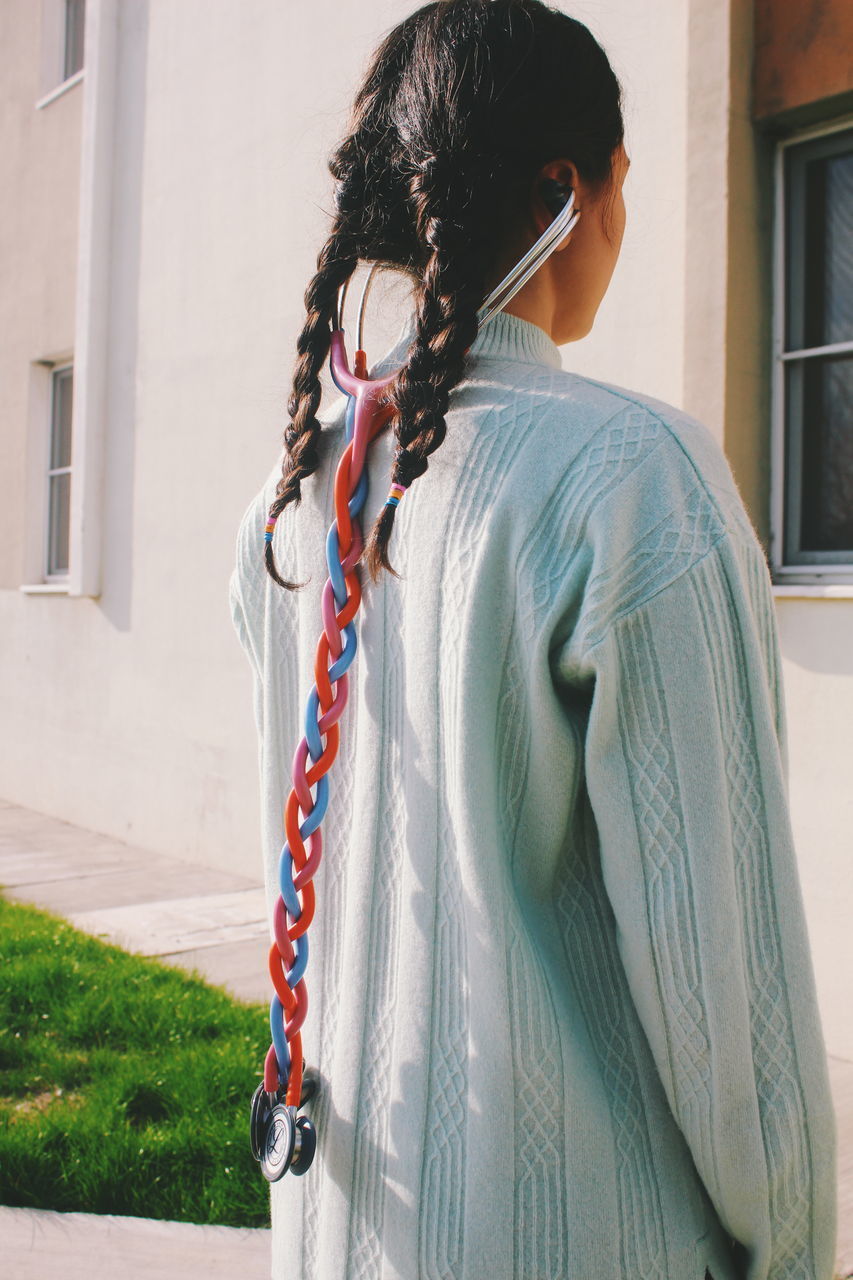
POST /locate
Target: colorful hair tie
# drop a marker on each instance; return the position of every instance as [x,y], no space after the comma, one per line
[269,528]
[395,494]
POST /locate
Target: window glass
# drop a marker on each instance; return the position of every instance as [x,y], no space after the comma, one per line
[60,513]
[59,472]
[828,248]
[818,383]
[75,28]
[822,397]
[60,440]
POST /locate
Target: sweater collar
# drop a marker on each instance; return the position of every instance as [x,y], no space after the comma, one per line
[503,337]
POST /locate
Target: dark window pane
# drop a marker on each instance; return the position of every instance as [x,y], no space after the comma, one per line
[828,248]
[60,440]
[75,27]
[60,510]
[820,415]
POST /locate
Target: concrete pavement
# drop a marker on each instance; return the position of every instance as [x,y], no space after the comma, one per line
[215,922]
[90,1246]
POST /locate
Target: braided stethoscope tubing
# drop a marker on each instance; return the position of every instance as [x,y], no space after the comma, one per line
[366,415]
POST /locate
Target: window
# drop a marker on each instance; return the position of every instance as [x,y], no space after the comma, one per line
[75,29]
[59,474]
[813,392]
[63,48]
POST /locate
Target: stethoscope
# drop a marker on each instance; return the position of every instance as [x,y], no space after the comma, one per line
[281,1138]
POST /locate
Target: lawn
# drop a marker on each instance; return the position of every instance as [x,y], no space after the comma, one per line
[126,1083]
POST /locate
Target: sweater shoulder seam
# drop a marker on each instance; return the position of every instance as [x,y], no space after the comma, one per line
[542,518]
[667,426]
[620,616]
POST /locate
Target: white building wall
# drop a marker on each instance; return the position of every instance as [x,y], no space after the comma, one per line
[131,712]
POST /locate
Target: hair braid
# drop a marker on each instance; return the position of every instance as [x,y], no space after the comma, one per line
[461,251]
[335,263]
[360,167]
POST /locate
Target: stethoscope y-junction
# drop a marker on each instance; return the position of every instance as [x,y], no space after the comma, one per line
[281,1138]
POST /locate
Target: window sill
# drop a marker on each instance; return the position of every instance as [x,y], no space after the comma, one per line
[45,588]
[61,88]
[814,590]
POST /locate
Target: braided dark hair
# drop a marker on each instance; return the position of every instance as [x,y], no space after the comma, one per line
[463,103]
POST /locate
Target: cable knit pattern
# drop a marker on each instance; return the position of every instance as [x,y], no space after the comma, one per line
[780,1096]
[443,1177]
[371,1134]
[561,997]
[670,895]
[540,1230]
[583,913]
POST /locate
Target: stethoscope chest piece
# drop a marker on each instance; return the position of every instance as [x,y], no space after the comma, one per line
[289,1142]
[280,1138]
[278,1142]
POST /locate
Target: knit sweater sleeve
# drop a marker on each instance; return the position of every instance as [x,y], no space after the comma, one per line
[685,761]
[248,586]
[239,619]
[246,601]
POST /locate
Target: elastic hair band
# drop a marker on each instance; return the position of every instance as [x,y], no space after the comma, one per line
[396,493]
[269,528]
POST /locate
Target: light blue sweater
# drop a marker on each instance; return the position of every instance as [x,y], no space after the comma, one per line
[560,991]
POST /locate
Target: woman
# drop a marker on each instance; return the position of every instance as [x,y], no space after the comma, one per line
[562,1007]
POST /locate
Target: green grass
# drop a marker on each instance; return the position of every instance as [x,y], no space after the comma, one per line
[126,1083]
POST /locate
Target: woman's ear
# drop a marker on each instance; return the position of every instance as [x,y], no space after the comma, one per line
[552,187]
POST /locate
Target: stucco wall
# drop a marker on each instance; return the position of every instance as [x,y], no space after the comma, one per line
[802,54]
[40,153]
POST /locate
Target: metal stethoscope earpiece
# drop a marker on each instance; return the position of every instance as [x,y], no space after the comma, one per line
[281,1139]
[564,220]
[554,194]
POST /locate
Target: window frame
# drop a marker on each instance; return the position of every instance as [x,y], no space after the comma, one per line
[815,566]
[59,369]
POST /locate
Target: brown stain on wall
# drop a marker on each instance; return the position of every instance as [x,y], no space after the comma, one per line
[803,53]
